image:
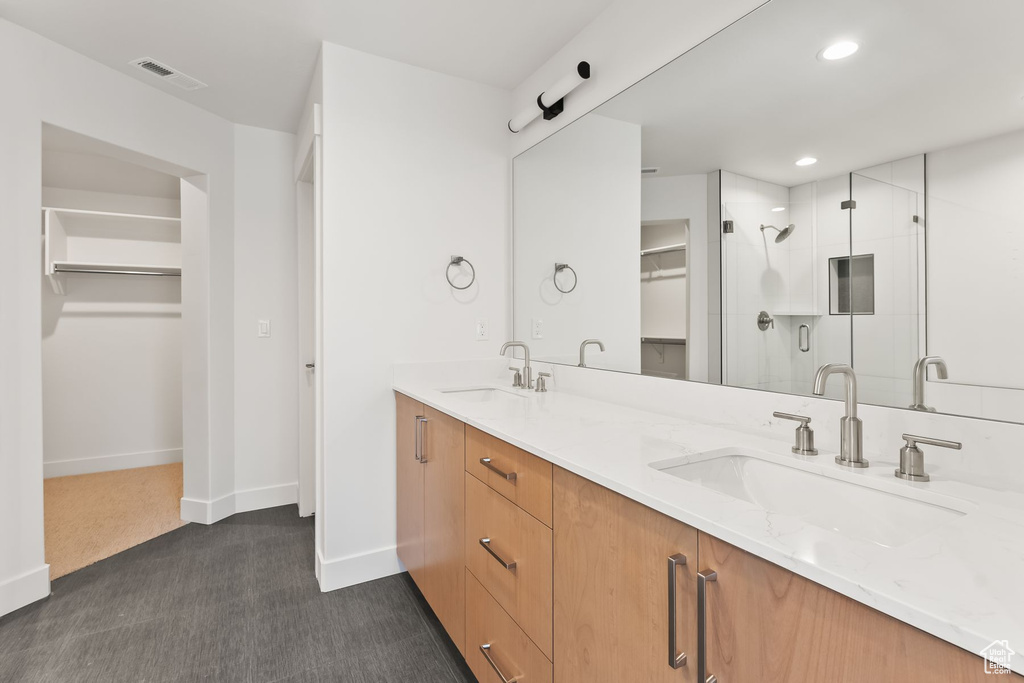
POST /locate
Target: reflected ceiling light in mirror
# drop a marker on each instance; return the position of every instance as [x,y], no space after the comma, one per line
[840,50]
[551,102]
[806,161]
[779,208]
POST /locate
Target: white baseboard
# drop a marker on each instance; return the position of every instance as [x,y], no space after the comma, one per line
[25,589]
[210,511]
[354,569]
[109,463]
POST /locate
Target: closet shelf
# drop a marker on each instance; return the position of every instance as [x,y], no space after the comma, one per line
[113,214]
[114,268]
[663,250]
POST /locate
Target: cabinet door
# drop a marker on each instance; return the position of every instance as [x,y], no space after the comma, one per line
[443,452]
[767,624]
[409,481]
[611,588]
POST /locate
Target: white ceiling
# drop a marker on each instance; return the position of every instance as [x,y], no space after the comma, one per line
[930,74]
[257,56]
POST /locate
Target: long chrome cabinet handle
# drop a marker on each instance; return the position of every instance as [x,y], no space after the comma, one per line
[486,649]
[486,543]
[702,625]
[419,445]
[674,660]
[423,440]
[509,476]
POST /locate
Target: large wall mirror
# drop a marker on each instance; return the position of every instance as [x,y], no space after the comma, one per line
[759,207]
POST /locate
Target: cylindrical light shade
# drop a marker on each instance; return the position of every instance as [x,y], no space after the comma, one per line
[563,87]
[524,119]
[566,84]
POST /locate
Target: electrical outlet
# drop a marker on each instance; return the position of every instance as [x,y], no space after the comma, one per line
[482,330]
[537,328]
[263,328]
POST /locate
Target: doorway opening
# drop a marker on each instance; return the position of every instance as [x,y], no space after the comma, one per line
[112,224]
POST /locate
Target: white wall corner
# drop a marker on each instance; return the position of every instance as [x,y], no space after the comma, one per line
[25,589]
[212,511]
[355,569]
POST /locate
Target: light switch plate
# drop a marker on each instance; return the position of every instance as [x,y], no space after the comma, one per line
[263,328]
[537,328]
[483,332]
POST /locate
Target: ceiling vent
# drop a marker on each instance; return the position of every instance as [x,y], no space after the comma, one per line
[167,74]
[650,170]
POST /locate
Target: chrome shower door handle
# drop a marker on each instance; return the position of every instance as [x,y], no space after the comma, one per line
[804,338]
[702,625]
[486,649]
[674,660]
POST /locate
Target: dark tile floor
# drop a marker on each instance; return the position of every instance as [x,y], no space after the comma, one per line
[235,601]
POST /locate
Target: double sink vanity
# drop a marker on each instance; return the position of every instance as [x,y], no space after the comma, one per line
[559,537]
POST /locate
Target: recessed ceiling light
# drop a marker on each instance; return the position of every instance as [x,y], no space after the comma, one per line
[779,208]
[840,50]
[806,161]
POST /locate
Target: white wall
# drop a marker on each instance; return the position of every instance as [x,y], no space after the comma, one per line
[975,270]
[266,369]
[625,43]
[577,201]
[415,170]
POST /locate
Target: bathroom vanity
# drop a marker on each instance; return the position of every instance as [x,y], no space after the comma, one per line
[563,538]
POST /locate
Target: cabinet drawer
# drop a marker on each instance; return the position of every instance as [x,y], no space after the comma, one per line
[489,629]
[521,477]
[523,590]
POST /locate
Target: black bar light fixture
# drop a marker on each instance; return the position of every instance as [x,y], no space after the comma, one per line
[551,102]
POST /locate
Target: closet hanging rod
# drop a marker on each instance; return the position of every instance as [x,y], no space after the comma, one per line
[663,250]
[663,340]
[165,272]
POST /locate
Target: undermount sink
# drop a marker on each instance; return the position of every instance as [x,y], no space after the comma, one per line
[833,503]
[484,394]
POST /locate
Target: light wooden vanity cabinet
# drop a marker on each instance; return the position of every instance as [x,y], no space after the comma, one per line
[767,624]
[431,456]
[612,588]
[577,583]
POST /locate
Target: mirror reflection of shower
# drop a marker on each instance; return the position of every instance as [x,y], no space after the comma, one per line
[783,233]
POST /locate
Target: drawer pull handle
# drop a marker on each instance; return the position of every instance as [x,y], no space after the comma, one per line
[486,543]
[508,476]
[419,436]
[486,649]
[702,627]
[674,660]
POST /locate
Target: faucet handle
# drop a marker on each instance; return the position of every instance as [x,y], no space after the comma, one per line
[517,379]
[913,440]
[802,419]
[804,434]
[541,383]
[912,458]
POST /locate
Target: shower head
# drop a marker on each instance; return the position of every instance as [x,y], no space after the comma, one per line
[783,234]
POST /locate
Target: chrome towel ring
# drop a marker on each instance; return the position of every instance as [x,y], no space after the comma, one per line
[559,267]
[456,261]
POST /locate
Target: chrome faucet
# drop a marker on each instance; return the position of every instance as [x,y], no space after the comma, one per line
[583,350]
[921,374]
[851,446]
[527,382]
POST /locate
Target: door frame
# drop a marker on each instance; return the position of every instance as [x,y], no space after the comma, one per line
[309,222]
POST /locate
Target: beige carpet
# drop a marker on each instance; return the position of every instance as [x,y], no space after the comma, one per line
[93,516]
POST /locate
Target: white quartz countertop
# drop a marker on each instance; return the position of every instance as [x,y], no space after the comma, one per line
[962,581]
